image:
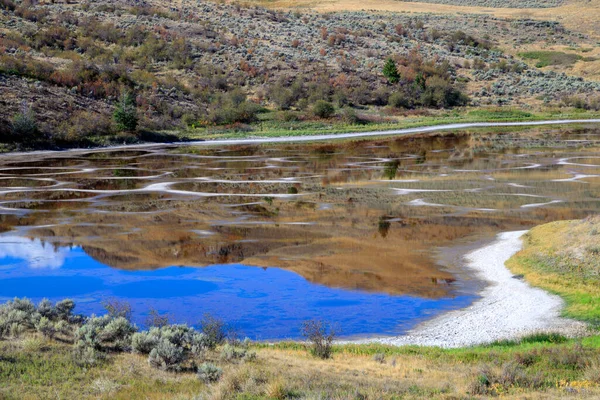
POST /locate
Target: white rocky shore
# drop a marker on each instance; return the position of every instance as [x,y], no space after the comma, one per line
[509,308]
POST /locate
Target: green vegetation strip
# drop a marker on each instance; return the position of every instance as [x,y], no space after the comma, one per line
[271,126]
[564,258]
[547,58]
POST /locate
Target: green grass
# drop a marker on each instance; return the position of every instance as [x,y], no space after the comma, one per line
[547,58]
[269,127]
[503,349]
[500,114]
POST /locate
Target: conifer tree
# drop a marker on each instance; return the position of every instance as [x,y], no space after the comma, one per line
[390,71]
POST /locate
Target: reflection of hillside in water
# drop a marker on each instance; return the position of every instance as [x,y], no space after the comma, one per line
[361,215]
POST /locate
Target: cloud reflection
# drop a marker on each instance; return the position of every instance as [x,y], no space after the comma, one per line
[33,251]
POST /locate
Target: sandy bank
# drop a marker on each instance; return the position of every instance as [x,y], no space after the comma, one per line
[509,307]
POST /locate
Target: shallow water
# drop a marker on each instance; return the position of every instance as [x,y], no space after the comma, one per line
[264,303]
[268,236]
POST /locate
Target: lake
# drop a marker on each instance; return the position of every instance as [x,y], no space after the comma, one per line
[366,234]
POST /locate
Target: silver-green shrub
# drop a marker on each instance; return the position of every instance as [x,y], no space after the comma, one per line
[17,316]
[105,332]
[64,309]
[46,309]
[46,327]
[167,356]
[118,332]
[87,356]
[169,342]
[209,373]
[144,342]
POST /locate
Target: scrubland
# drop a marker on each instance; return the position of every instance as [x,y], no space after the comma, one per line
[197,70]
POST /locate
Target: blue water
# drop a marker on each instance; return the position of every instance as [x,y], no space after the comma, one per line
[262,303]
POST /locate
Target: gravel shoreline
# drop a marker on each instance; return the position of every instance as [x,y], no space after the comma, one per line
[509,308]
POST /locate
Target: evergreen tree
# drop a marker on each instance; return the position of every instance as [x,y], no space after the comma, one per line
[420,81]
[390,71]
[126,114]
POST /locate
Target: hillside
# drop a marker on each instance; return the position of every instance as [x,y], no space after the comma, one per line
[207,65]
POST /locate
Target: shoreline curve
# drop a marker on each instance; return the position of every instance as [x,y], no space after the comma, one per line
[509,308]
[314,138]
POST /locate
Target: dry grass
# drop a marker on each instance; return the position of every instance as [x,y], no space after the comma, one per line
[47,370]
[579,15]
[564,258]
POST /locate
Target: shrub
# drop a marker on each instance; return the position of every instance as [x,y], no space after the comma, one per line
[179,334]
[350,116]
[64,309]
[592,372]
[87,356]
[117,308]
[170,345]
[323,109]
[166,356]
[105,332]
[232,353]
[214,329]
[209,373]
[46,309]
[400,31]
[488,382]
[143,342]
[46,327]
[125,114]
[321,336]
[400,100]
[53,37]
[24,305]
[16,316]
[441,93]
[63,327]
[232,108]
[287,116]
[88,334]
[154,319]
[390,71]
[24,124]
[8,5]
[83,125]
[20,315]
[245,112]
[118,332]
[284,97]
[583,103]
[544,337]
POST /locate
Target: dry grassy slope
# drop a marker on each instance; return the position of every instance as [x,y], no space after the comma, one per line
[579,15]
[582,16]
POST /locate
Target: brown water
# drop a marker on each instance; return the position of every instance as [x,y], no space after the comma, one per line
[363,215]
